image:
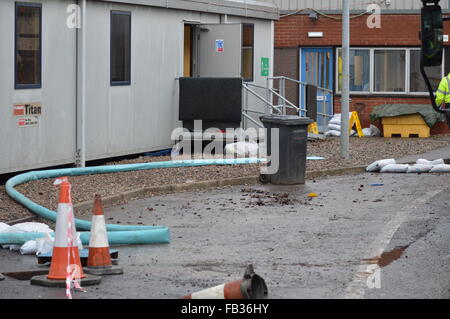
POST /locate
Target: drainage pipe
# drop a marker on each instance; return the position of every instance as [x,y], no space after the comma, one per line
[126,234]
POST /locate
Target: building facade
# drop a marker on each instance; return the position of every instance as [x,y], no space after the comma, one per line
[112,90]
[384,61]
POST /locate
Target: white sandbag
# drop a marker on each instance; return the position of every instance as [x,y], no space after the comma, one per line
[3,227]
[395,168]
[336,119]
[334,127]
[441,168]
[367,132]
[28,227]
[419,168]
[44,245]
[28,248]
[378,165]
[375,130]
[427,162]
[333,133]
[242,149]
[338,133]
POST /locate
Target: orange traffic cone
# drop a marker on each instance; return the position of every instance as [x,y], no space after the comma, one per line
[99,259]
[251,286]
[65,256]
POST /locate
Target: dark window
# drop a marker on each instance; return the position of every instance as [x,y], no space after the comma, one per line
[120,48]
[248,31]
[28,46]
[417,84]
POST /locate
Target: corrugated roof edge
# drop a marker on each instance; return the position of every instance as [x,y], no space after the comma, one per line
[399,11]
[245,8]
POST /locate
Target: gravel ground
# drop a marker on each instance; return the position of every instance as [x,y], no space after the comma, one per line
[363,151]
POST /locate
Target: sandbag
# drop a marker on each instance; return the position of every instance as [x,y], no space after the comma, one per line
[333,133]
[338,133]
[419,168]
[395,168]
[242,149]
[334,127]
[28,248]
[441,168]
[44,245]
[375,130]
[3,227]
[29,227]
[427,162]
[378,165]
[367,132]
[336,119]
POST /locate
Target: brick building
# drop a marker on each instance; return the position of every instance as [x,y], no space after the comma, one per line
[384,61]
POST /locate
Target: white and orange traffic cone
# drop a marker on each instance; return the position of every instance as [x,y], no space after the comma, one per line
[99,258]
[251,286]
[65,264]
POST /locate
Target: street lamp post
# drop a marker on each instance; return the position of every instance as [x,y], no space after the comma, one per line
[345,97]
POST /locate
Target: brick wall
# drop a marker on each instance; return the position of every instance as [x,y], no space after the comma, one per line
[396,30]
[364,105]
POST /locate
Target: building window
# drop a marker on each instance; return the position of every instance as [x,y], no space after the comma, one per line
[248,31]
[28,49]
[120,48]
[359,70]
[387,71]
[416,82]
[390,67]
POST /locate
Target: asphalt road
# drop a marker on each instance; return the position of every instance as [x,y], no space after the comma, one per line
[352,241]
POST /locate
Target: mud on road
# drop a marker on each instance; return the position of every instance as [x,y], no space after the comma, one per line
[303,247]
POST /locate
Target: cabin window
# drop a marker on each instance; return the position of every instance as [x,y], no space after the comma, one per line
[28,46]
[120,48]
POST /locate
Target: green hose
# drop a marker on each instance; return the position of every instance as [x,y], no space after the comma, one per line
[117,234]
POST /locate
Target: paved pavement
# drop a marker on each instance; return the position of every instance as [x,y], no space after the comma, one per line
[443,152]
[320,248]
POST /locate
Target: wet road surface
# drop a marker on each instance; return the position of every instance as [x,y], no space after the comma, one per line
[364,236]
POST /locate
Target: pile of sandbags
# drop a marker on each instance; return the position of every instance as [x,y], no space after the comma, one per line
[421,166]
[334,126]
[39,246]
[371,131]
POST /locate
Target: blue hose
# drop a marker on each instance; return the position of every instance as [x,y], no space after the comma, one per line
[117,234]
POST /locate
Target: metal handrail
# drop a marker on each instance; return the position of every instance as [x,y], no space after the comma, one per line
[252,120]
[280,94]
[261,98]
[284,99]
[298,82]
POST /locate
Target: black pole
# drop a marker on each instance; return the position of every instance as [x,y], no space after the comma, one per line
[430,89]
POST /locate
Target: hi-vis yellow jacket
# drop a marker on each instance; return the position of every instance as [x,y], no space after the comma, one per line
[443,91]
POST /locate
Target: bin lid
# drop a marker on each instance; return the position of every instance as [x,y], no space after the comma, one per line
[286,119]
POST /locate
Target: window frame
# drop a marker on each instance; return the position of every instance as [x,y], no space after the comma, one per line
[253,52]
[372,72]
[18,86]
[119,83]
